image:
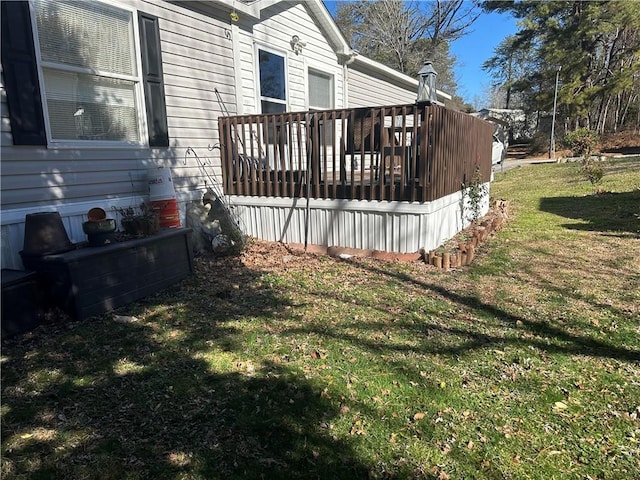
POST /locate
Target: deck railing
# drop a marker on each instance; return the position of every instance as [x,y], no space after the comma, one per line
[393,153]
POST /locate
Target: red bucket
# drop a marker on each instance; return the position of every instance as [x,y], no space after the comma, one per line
[168,213]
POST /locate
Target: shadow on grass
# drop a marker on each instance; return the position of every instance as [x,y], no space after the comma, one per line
[549,258]
[167,397]
[623,150]
[540,334]
[614,213]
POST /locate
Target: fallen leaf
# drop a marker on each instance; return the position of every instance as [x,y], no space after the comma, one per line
[125,319]
[358,428]
[419,416]
[560,407]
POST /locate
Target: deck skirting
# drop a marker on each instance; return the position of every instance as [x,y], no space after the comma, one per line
[401,227]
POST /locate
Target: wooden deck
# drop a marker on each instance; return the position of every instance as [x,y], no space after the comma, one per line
[394,153]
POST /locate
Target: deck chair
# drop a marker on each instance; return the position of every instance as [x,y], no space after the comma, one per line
[359,137]
[359,133]
[245,164]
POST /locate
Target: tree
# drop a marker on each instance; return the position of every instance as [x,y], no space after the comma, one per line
[508,66]
[402,35]
[596,43]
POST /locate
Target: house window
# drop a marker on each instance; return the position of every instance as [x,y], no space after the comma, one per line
[321,98]
[89,71]
[320,91]
[273,96]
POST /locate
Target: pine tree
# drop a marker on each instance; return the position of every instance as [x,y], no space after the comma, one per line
[597,44]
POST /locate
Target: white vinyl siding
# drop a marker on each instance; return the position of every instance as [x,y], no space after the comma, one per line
[279,24]
[369,89]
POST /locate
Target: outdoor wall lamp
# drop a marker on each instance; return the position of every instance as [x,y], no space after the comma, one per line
[427,83]
[297,45]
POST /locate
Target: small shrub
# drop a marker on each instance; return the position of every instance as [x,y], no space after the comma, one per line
[582,142]
[474,192]
[593,172]
[140,221]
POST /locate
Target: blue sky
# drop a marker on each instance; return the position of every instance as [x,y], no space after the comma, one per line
[473,50]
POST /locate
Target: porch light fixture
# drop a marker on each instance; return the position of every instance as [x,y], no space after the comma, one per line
[427,83]
[297,45]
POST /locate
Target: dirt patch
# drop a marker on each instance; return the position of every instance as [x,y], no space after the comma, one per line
[626,143]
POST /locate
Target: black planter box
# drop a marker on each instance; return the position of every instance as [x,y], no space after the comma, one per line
[92,280]
[20,305]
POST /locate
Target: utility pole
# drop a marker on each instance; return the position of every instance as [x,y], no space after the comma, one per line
[552,141]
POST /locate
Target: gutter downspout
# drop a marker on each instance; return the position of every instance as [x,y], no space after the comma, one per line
[350,58]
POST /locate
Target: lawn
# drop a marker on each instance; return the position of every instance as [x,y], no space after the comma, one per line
[276,364]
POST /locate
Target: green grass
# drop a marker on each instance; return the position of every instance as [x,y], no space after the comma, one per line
[282,365]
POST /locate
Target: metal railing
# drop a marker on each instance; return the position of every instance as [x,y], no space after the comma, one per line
[391,153]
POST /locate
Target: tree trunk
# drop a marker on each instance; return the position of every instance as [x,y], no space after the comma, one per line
[616,113]
[602,121]
[626,108]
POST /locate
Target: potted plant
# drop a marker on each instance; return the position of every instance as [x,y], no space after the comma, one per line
[140,221]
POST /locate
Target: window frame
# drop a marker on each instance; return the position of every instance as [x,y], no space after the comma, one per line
[332,88]
[331,124]
[259,97]
[138,80]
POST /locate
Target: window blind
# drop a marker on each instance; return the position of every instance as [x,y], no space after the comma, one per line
[320,90]
[86,34]
[87,107]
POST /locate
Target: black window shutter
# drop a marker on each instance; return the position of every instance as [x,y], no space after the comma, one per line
[153,83]
[21,75]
